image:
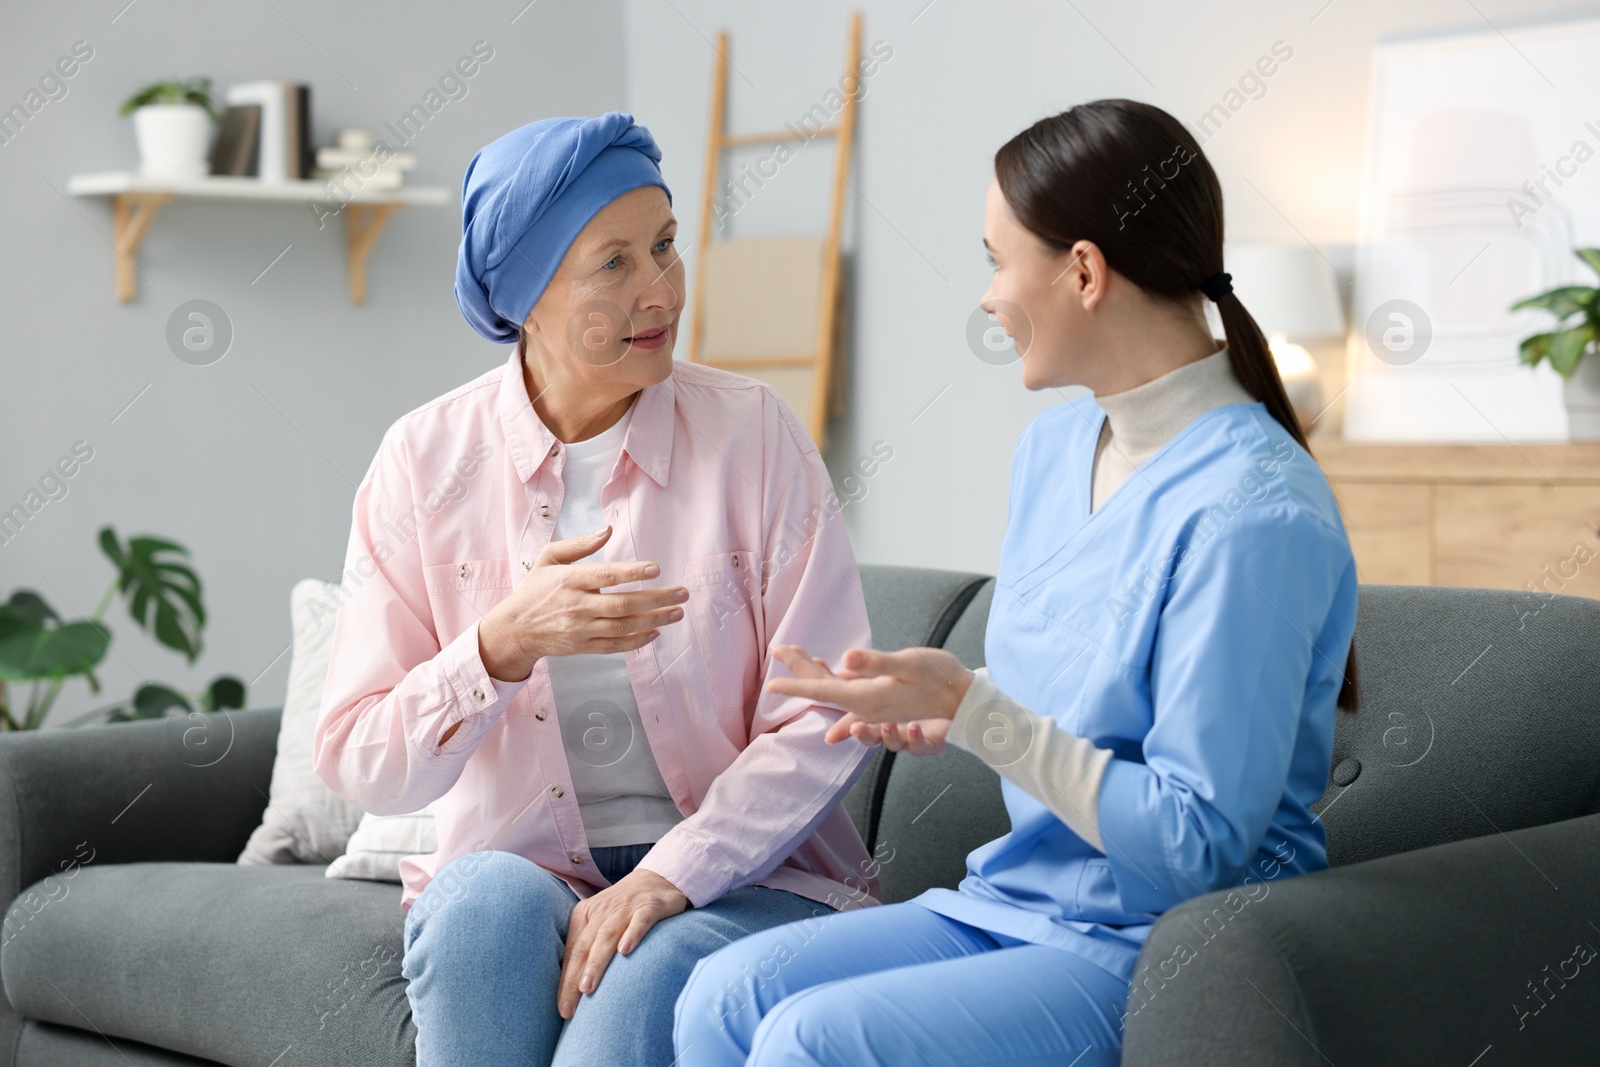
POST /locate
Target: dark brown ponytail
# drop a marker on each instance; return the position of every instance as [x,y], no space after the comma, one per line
[1130,178]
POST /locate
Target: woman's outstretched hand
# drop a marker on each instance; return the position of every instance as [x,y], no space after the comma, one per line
[924,737]
[903,700]
[613,920]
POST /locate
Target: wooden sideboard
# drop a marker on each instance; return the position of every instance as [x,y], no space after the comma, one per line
[1498,516]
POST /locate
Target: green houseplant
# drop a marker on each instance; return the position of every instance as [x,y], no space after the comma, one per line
[1577,312]
[172,122]
[195,91]
[163,596]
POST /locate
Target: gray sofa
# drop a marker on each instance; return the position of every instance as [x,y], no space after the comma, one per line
[1461,817]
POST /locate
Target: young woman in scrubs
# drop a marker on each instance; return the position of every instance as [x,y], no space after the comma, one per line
[1169,640]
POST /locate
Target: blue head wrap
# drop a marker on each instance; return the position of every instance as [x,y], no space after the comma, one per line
[527,195]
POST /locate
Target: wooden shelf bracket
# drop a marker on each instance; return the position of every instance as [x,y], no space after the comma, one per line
[131,214]
[362,225]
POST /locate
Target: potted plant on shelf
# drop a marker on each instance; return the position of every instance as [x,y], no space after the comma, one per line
[163,597]
[1577,312]
[172,122]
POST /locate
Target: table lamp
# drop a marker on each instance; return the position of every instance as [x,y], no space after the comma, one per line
[1291,293]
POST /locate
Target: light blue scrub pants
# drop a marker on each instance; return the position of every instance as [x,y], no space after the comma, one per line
[483,945]
[897,984]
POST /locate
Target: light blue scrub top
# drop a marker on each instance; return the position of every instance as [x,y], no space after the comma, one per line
[1197,625]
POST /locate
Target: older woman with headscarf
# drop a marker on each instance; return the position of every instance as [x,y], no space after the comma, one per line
[563,585]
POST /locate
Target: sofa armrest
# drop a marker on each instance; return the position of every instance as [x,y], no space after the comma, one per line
[1430,956]
[167,789]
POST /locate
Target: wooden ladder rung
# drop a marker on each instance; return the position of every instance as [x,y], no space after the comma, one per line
[738,140]
[827,389]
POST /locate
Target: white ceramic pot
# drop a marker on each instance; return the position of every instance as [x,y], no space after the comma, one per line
[1582,395]
[174,140]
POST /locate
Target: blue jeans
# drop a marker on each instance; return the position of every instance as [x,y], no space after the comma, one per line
[483,945]
[898,985]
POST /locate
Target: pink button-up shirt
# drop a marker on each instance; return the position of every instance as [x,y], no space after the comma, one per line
[720,485]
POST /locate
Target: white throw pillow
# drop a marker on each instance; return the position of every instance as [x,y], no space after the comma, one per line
[305,821]
[380,841]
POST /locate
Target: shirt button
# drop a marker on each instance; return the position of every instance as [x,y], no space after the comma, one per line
[555,448]
[556,790]
[527,564]
[544,511]
[539,715]
[575,858]
[463,570]
[478,693]
[736,559]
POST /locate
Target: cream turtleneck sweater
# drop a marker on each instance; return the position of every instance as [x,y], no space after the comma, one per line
[1061,770]
[1142,419]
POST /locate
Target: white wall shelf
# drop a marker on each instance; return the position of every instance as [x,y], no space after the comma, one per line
[135,201]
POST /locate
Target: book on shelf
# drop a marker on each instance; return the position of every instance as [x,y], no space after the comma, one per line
[233,151]
[284,151]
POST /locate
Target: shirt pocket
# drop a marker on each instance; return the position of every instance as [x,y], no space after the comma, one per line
[720,623]
[462,593]
[1050,663]
[1097,899]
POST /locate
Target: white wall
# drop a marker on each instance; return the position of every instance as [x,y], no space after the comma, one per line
[965,77]
[252,462]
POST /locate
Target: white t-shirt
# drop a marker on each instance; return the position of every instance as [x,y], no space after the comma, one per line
[622,797]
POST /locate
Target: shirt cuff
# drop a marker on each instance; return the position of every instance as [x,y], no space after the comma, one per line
[1060,770]
[478,698]
[680,859]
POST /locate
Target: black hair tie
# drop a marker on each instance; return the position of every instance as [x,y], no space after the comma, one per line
[1217,286]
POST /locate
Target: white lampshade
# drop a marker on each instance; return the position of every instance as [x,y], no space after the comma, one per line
[1288,289]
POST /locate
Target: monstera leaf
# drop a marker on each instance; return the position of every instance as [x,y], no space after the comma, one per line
[163,596]
[31,603]
[225,691]
[34,643]
[154,701]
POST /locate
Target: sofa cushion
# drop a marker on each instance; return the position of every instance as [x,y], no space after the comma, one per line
[936,809]
[1476,951]
[1480,714]
[305,821]
[48,1045]
[965,638]
[908,606]
[376,848]
[241,965]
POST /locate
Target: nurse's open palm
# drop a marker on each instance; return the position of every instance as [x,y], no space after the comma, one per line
[923,737]
[919,687]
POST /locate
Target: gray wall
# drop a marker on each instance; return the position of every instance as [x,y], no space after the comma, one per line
[251,462]
[964,77]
